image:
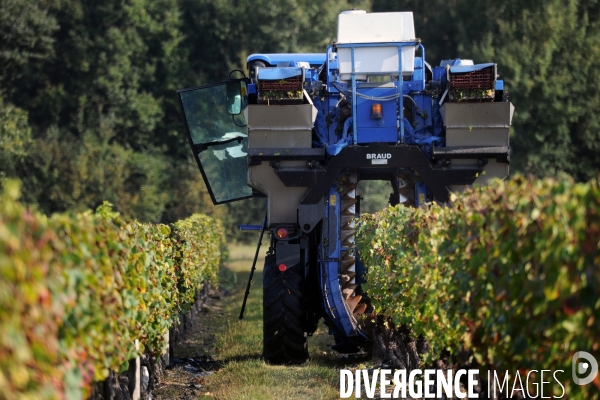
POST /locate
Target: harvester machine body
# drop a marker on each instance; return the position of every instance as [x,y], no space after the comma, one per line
[304,129]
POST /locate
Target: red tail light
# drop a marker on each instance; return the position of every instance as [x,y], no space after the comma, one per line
[281,233]
[282,267]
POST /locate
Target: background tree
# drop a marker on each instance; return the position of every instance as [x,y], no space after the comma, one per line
[550,56]
[15,138]
[89,111]
[26,42]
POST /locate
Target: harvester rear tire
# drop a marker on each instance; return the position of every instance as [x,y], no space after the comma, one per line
[284,337]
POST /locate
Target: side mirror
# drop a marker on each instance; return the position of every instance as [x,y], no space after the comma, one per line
[236,93]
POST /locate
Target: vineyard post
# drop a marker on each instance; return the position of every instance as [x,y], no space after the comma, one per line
[134,374]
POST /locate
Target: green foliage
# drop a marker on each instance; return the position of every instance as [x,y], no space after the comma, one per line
[221,34]
[26,43]
[509,272]
[75,174]
[375,195]
[98,83]
[194,252]
[29,314]
[15,138]
[549,57]
[78,289]
[405,278]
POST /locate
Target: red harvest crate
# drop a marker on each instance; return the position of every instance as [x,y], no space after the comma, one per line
[484,78]
[290,84]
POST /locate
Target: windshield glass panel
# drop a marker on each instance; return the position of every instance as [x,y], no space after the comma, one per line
[226,169]
[220,140]
[207,116]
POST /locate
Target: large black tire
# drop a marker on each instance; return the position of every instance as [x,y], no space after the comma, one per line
[284,337]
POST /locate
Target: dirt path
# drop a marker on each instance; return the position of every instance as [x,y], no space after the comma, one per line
[192,359]
[221,357]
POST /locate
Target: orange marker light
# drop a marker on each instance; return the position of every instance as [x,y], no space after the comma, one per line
[281,233]
[376,111]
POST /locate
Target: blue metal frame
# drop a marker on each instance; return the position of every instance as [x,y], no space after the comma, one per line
[330,250]
[329,261]
[333,302]
[274,59]
[424,80]
[250,227]
[400,45]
